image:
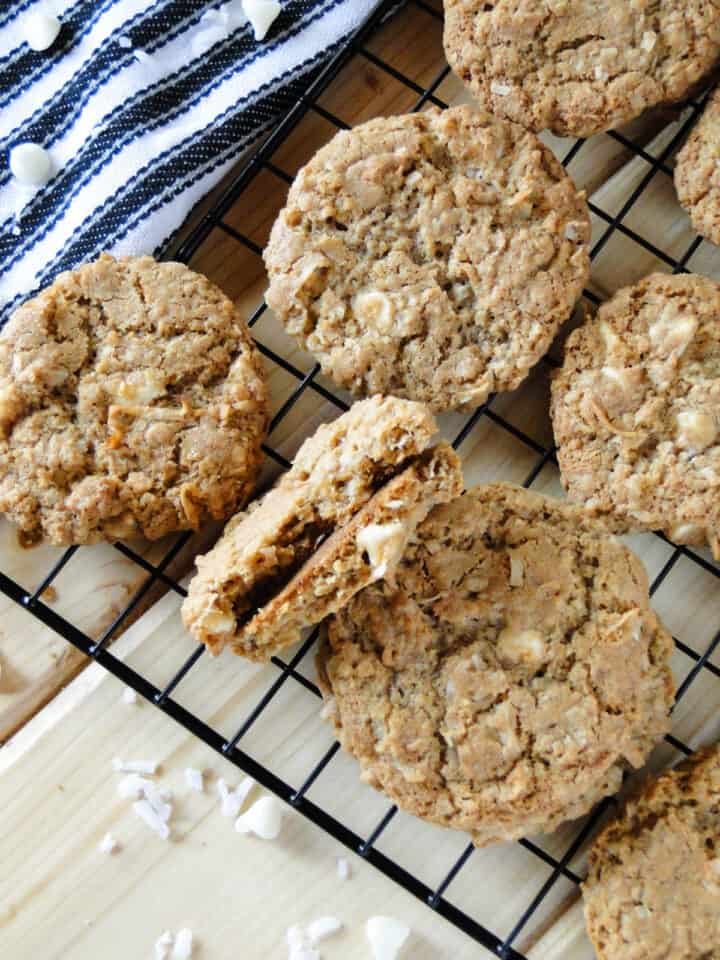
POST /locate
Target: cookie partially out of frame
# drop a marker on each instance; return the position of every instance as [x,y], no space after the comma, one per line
[431,256]
[503,680]
[338,520]
[577,67]
[697,172]
[636,410]
[132,402]
[653,886]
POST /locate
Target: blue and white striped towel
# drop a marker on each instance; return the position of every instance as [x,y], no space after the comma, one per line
[140,119]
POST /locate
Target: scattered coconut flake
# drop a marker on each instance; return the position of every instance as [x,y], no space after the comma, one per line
[232,800]
[162,945]
[501,89]
[148,767]
[125,42]
[343,868]
[183,946]
[264,819]
[109,844]
[41,30]
[194,779]
[386,937]
[145,811]
[157,800]
[261,14]
[129,695]
[132,786]
[31,164]
[322,928]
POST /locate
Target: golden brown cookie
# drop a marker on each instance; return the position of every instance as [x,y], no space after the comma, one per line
[132,402]
[697,172]
[335,522]
[653,887]
[578,67]
[636,410]
[508,674]
[431,256]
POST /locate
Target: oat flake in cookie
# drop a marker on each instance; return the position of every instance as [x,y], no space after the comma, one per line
[697,172]
[338,520]
[653,886]
[636,410]
[578,67]
[508,675]
[431,256]
[132,402]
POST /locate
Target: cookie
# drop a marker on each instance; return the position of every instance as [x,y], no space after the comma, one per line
[636,410]
[132,402]
[573,68]
[501,683]
[653,886]
[431,256]
[697,176]
[335,522]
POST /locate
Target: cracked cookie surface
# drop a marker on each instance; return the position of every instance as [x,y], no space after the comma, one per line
[336,521]
[510,672]
[653,885]
[697,172]
[431,256]
[132,402]
[578,67]
[636,410]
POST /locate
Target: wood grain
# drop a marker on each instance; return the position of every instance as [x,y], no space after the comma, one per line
[59,897]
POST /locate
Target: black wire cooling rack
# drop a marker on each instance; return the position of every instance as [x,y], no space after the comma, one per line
[288,671]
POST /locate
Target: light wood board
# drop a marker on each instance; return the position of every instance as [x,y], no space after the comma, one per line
[61,898]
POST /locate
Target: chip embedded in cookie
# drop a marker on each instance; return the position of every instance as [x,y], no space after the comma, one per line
[132,403]
[653,885]
[338,520]
[636,410]
[431,256]
[577,68]
[510,672]
[697,172]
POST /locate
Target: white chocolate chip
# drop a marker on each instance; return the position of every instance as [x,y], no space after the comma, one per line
[517,570]
[687,533]
[672,332]
[264,819]
[648,40]
[521,646]
[41,30]
[375,309]
[31,164]
[386,937]
[384,544]
[500,89]
[695,430]
[261,14]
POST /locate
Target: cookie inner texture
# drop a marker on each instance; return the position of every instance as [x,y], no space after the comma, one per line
[441,252]
[510,669]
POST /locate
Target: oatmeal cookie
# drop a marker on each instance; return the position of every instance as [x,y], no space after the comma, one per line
[636,410]
[506,677]
[431,256]
[132,402]
[697,172]
[577,67]
[337,521]
[653,886]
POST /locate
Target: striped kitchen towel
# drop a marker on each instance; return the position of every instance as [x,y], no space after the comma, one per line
[143,106]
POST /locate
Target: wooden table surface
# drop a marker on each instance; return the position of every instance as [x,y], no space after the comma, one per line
[64,721]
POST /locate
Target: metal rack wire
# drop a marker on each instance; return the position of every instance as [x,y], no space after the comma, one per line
[288,671]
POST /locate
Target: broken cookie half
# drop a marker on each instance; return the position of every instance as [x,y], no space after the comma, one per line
[337,521]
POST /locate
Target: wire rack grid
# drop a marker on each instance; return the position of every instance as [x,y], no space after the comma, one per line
[655,163]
